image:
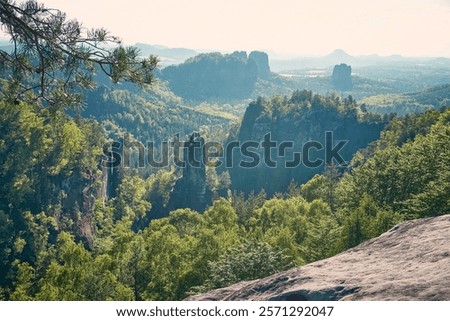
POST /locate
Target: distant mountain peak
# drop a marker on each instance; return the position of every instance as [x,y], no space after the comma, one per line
[336,278]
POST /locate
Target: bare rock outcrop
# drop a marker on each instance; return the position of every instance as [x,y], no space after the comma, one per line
[409,262]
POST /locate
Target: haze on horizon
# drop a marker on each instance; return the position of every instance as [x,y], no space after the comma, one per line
[289,27]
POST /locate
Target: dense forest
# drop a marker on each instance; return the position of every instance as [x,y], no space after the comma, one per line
[68,233]
[301,118]
[234,76]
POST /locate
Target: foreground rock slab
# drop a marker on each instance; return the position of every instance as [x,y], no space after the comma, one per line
[409,262]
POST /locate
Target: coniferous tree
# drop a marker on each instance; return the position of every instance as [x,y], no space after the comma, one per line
[51,56]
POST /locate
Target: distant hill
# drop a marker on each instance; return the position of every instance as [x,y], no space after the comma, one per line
[302,118]
[409,262]
[168,56]
[339,56]
[215,76]
[154,115]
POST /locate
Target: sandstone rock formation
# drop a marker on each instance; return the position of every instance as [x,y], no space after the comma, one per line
[409,262]
[213,76]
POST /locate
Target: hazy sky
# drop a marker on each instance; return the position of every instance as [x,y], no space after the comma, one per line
[299,27]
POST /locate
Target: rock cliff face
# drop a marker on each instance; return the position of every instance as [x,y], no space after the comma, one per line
[342,77]
[300,128]
[409,262]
